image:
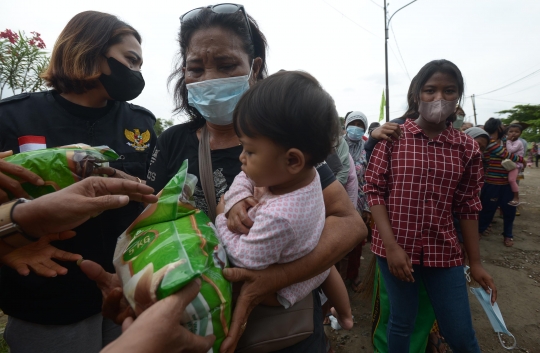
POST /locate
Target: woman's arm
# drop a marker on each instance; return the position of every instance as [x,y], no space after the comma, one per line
[466,206]
[385,132]
[343,230]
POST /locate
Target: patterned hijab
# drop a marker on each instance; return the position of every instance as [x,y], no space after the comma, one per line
[355,147]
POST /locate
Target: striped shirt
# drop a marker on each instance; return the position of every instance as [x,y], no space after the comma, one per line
[495,153]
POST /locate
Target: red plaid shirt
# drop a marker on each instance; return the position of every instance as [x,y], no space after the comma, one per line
[423,182]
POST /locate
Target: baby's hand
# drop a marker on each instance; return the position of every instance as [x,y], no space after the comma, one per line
[238,220]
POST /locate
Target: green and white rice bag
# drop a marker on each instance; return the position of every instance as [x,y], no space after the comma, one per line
[62,166]
[167,246]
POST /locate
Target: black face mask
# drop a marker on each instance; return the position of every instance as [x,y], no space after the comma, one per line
[122,84]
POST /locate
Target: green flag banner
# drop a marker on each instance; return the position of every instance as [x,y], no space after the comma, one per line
[383,104]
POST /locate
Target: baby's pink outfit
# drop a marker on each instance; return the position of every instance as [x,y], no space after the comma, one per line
[286,227]
[515,147]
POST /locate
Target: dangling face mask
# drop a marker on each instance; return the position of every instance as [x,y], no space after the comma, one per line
[122,84]
[355,133]
[437,111]
[216,99]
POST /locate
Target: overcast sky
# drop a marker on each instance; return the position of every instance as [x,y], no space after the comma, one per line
[341,43]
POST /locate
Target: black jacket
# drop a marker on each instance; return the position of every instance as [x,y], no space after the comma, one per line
[67,299]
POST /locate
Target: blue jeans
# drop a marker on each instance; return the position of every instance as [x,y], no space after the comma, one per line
[493,196]
[447,292]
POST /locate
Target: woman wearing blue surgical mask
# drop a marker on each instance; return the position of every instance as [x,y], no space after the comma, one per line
[355,126]
[222,53]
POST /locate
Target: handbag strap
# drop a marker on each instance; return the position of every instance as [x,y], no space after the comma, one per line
[206,173]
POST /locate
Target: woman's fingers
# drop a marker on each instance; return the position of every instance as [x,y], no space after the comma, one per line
[3,197]
[11,185]
[22,269]
[240,315]
[65,256]
[5,154]
[108,171]
[43,270]
[20,172]
[127,323]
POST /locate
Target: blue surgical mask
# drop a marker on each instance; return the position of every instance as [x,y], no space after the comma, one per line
[494,314]
[216,99]
[355,133]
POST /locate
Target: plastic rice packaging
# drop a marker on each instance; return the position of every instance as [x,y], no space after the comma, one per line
[60,167]
[170,244]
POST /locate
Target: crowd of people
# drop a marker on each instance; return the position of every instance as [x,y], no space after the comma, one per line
[294,195]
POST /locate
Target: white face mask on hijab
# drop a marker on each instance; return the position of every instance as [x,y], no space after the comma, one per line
[216,99]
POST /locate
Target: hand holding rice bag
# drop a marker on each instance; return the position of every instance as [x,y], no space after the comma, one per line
[62,166]
[170,244]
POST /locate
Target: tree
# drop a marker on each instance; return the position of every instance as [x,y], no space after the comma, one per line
[529,114]
[162,125]
[22,60]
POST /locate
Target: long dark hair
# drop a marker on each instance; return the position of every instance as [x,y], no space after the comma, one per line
[234,22]
[425,73]
[493,125]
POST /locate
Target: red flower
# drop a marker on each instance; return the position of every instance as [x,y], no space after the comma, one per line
[9,35]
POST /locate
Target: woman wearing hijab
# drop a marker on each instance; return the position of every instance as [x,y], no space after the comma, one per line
[355,125]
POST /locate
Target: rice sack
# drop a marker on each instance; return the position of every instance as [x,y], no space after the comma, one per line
[62,166]
[170,244]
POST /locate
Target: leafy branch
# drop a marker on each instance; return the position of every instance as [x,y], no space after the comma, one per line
[22,60]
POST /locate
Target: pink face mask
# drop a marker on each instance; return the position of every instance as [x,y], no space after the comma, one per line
[437,111]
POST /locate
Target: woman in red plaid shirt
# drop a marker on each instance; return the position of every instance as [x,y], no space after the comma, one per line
[414,185]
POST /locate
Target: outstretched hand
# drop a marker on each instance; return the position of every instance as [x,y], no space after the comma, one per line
[7,183]
[158,328]
[38,257]
[74,205]
[115,305]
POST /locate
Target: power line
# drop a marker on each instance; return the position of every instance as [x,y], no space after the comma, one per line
[399,51]
[365,29]
[377,4]
[500,100]
[511,83]
[521,72]
[509,94]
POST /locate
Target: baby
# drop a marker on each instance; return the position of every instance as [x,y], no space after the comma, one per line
[286,124]
[514,146]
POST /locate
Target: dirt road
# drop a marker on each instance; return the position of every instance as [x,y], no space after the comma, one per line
[516,271]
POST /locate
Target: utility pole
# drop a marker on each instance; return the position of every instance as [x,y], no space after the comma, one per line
[386,25]
[474,110]
[386,63]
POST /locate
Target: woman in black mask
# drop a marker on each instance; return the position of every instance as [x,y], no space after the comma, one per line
[94,69]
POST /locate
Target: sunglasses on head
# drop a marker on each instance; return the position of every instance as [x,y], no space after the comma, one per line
[219,8]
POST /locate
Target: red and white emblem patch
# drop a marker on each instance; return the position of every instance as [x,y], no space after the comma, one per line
[31,143]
